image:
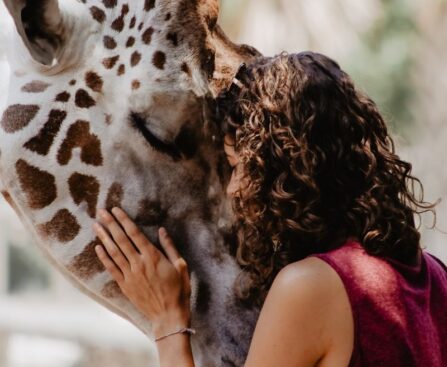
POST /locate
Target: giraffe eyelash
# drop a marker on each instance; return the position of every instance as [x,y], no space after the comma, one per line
[164,147]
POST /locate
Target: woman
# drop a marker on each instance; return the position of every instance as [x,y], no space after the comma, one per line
[327,238]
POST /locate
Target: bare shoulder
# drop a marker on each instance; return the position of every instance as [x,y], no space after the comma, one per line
[313,286]
[305,320]
[311,276]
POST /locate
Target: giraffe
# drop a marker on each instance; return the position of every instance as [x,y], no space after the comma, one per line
[109,105]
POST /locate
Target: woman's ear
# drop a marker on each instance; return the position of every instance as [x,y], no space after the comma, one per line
[40,25]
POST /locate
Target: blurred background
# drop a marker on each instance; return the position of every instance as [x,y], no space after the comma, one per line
[394,49]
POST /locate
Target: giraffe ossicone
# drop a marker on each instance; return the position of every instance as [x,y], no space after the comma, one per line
[108,106]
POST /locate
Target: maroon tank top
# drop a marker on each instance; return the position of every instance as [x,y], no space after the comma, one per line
[399,311]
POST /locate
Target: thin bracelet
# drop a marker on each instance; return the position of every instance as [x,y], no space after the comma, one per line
[184,330]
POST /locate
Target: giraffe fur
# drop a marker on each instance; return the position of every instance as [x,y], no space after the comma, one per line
[108,105]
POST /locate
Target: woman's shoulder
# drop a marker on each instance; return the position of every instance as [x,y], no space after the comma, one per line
[310,278]
[313,284]
[313,296]
[311,269]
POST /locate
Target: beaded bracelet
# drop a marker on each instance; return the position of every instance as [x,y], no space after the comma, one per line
[184,330]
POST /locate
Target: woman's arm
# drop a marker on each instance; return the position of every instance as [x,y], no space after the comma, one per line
[175,351]
[297,324]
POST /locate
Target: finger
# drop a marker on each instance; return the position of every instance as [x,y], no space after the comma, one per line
[174,256]
[119,236]
[112,249]
[132,230]
[110,266]
[133,233]
[143,244]
[182,268]
[168,245]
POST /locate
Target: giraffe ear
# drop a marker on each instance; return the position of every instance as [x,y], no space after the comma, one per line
[39,23]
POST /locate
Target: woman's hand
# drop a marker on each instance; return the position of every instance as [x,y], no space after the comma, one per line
[157,285]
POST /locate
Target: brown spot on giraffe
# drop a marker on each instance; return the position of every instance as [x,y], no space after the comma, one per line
[39,186]
[136,84]
[84,188]
[79,136]
[93,81]
[43,141]
[111,290]
[125,9]
[109,42]
[147,35]
[87,263]
[118,23]
[72,82]
[186,69]
[149,4]
[140,26]
[98,14]
[110,3]
[110,62]
[132,23]
[64,227]
[159,60]
[114,196]
[130,41]
[173,38]
[18,116]
[83,99]
[150,213]
[62,97]
[135,58]
[35,86]
[121,70]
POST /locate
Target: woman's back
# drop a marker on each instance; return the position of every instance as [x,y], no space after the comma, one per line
[400,311]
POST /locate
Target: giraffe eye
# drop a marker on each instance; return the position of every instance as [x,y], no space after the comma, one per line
[140,123]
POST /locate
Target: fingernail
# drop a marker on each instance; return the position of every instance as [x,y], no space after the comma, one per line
[163,230]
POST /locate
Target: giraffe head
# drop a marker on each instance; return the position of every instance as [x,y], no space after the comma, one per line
[125,58]
[107,106]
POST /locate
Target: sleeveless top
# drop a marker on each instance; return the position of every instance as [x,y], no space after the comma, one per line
[399,311]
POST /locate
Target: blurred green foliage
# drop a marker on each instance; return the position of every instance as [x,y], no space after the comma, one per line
[383,64]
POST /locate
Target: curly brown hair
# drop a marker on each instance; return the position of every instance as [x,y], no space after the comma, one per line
[321,168]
